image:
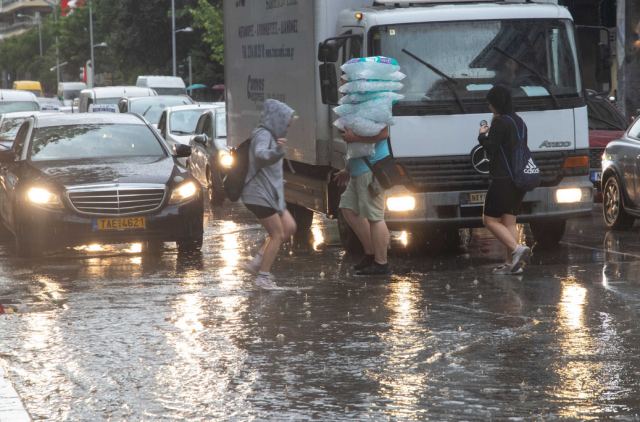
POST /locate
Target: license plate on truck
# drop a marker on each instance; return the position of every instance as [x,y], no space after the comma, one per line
[596,176]
[475,198]
[120,224]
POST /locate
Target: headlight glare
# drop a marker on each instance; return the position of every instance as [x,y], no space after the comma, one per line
[225,159]
[43,197]
[183,192]
[568,196]
[401,203]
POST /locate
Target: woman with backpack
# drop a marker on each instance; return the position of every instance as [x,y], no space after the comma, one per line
[503,201]
[263,192]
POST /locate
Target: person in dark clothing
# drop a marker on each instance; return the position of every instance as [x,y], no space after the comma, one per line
[503,200]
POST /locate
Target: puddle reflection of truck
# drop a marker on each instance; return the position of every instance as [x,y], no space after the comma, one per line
[453,53]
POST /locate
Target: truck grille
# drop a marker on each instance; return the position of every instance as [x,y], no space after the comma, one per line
[454,173]
[595,157]
[117,200]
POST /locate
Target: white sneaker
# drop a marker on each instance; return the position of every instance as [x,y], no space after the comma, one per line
[520,258]
[252,266]
[505,269]
[265,281]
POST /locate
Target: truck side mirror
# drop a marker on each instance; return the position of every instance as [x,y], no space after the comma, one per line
[329,83]
[603,64]
[328,51]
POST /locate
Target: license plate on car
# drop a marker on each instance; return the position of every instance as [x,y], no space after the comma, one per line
[596,176]
[120,224]
[476,198]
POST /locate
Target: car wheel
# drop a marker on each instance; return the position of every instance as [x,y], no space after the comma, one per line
[215,188]
[547,233]
[25,245]
[615,216]
[348,238]
[302,216]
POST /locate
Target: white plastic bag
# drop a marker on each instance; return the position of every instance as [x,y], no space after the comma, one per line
[356,98]
[359,150]
[379,112]
[376,66]
[369,86]
[373,76]
[359,125]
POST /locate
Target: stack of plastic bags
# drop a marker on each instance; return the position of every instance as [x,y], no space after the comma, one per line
[369,95]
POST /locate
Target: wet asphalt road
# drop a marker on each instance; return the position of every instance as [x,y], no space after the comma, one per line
[113,334]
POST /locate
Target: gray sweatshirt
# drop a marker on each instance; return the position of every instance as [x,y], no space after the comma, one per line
[265,183]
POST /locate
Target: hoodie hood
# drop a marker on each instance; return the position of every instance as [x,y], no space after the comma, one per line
[276,117]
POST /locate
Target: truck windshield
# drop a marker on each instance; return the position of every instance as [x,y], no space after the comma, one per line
[535,57]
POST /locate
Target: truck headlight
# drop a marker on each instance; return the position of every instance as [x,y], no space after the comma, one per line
[401,203]
[568,196]
[183,193]
[44,197]
[225,159]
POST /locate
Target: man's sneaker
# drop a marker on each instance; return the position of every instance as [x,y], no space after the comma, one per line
[252,266]
[366,261]
[520,258]
[265,281]
[505,269]
[375,269]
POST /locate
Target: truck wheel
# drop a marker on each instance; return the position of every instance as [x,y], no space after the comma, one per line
[615,217]
[303,217]
[548,233]
[215,188]
[348,238]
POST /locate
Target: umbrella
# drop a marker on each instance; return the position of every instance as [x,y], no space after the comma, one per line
[196,86]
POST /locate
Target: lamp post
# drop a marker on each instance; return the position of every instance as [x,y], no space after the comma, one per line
[173,36]
[38,21]
[187,29]
[93,62]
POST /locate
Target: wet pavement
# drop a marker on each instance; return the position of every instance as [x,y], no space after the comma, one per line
[114,334]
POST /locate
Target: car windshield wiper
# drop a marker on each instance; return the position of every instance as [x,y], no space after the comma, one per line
[451,83]
[546,82]
[146,111]
[180,132]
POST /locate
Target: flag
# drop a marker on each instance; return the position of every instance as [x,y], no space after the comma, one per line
[67,6]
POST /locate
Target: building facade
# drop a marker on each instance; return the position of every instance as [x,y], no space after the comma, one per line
[18,16]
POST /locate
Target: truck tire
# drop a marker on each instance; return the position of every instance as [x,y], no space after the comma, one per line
[615,216]
[302,216]
[548,233]
[348,238]
[215,189]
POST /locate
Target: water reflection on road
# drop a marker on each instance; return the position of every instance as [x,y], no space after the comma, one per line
[104,332]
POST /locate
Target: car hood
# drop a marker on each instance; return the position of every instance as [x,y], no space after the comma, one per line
[127,170]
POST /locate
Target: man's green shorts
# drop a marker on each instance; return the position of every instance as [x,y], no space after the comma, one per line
[358,198]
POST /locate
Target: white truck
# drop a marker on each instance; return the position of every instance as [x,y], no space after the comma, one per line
[453,52]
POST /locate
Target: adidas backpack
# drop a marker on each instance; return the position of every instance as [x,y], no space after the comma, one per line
[522,168]
[234,180]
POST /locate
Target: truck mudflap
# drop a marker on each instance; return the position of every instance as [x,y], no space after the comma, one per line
[571,198]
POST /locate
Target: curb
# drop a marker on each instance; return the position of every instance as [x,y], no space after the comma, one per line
[11,407]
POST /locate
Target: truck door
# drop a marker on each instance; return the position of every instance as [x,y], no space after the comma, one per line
[351,48]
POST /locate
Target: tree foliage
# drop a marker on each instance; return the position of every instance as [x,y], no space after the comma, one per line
[138,37]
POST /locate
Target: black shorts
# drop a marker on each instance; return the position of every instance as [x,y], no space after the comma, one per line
[260,211]
[503,197]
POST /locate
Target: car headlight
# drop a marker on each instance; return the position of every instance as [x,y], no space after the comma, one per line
[183,193]
[225,159]
[44,198]
[401,203]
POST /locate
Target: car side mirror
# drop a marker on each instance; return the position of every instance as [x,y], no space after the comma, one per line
[7,156]
[329,83]
[201,139]
[182,151]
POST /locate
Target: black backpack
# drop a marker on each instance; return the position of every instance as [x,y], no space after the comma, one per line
[522,168]
[234,180]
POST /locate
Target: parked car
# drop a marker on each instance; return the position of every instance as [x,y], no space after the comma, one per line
[621,179]
[163,85]
[109,178]
[9,125]
[152,107]
[49,104]
[106,98]
[13,100]
[606,123]
[209,153]
[178,124]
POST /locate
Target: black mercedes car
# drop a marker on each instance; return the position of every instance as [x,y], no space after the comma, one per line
[106,178]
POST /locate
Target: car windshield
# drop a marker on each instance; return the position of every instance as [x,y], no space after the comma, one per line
[71,94]
[9,128]
[170,91]
[536,57]
[183,122]
[106,101]
[603,115]
[94,141]
[221,125]
[11,106]
[152,107]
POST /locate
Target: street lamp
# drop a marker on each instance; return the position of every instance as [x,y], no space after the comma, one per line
[58,66]
[39,22]
[173,35]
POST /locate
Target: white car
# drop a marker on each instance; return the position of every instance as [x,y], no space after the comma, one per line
[178,124]
[14,100]
[9,126]
[152,107]
[105,99]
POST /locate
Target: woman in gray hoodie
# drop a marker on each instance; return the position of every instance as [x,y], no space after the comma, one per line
[263,193]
